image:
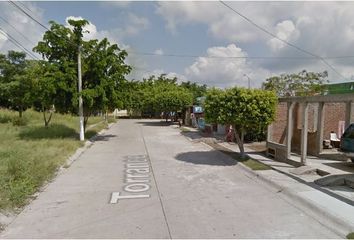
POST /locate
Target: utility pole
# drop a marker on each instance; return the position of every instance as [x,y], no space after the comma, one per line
[249,80]
[81,111]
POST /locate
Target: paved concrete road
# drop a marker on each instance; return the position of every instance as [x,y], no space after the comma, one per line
[173,188]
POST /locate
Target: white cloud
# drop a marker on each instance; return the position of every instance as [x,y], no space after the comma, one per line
[140,73]
[158,51]
[3,38]
[329,33]
[133,26]
[116,4]
[221,22]
[220,70]
[90,30]
[27,32]
[286,31]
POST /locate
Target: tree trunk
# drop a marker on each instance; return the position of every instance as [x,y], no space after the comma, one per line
[85,122]
[106,117]
[239,135]
[20,112]
[46,122]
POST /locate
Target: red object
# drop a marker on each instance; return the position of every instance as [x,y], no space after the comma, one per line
[230,134]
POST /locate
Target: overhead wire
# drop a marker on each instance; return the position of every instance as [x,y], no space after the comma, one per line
[282,40]
[235,57]
[19,32]
[18,44]
[313,56]
[24,5]
[29,15]
[37,21]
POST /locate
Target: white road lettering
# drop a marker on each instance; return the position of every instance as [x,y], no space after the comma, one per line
[137,178]
[116,196]
[137,187]
[138,170]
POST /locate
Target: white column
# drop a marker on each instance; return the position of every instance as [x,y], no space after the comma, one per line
[270,133]
[348,113]
[304,133]
[289,128]
[320,126]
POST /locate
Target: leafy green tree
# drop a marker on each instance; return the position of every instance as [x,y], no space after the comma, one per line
[244,109]
[46,78]
[157,94]
[103,69]
[172,99]
[215,98]
[58,47]
[195,89]
[162,94]
[15,83]
[301,84]
[103,76]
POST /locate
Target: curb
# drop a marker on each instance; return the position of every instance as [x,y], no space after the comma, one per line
[329,220]
[88,143]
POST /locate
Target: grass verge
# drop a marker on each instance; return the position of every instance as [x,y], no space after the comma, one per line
[350,235]
[30,155]
[183,129]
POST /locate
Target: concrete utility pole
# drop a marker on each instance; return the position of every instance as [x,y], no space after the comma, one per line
[81,112]
[249,80]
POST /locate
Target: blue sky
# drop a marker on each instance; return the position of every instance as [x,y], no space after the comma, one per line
[209,30]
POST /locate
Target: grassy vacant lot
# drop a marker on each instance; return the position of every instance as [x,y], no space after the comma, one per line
[31,154]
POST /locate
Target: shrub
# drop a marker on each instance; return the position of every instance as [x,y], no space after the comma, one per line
[19,121]
[5,119]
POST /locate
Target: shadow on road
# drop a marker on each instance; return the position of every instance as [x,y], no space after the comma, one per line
[213,158]
[104,137]
[156,123]
[344,166]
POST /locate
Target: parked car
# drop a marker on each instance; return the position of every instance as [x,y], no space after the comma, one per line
[347,142]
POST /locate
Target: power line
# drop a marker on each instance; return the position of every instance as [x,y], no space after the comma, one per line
[24,5]
[235,57]
[29,15]
[39,23]
[13,27]
[18,44]
[282,40]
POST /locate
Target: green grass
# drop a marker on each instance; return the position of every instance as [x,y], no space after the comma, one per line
[31,154]
[350,235]
[254,164]
[183,129]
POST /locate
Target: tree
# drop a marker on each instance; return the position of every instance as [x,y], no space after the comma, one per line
[46,78]
[103,69]
[15,82]
[195,89]
[244,109]
[162,94]
[301,84]
[172,99]
[103,76]
[156,94]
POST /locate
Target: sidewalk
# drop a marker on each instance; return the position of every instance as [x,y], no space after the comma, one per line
[331,208]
